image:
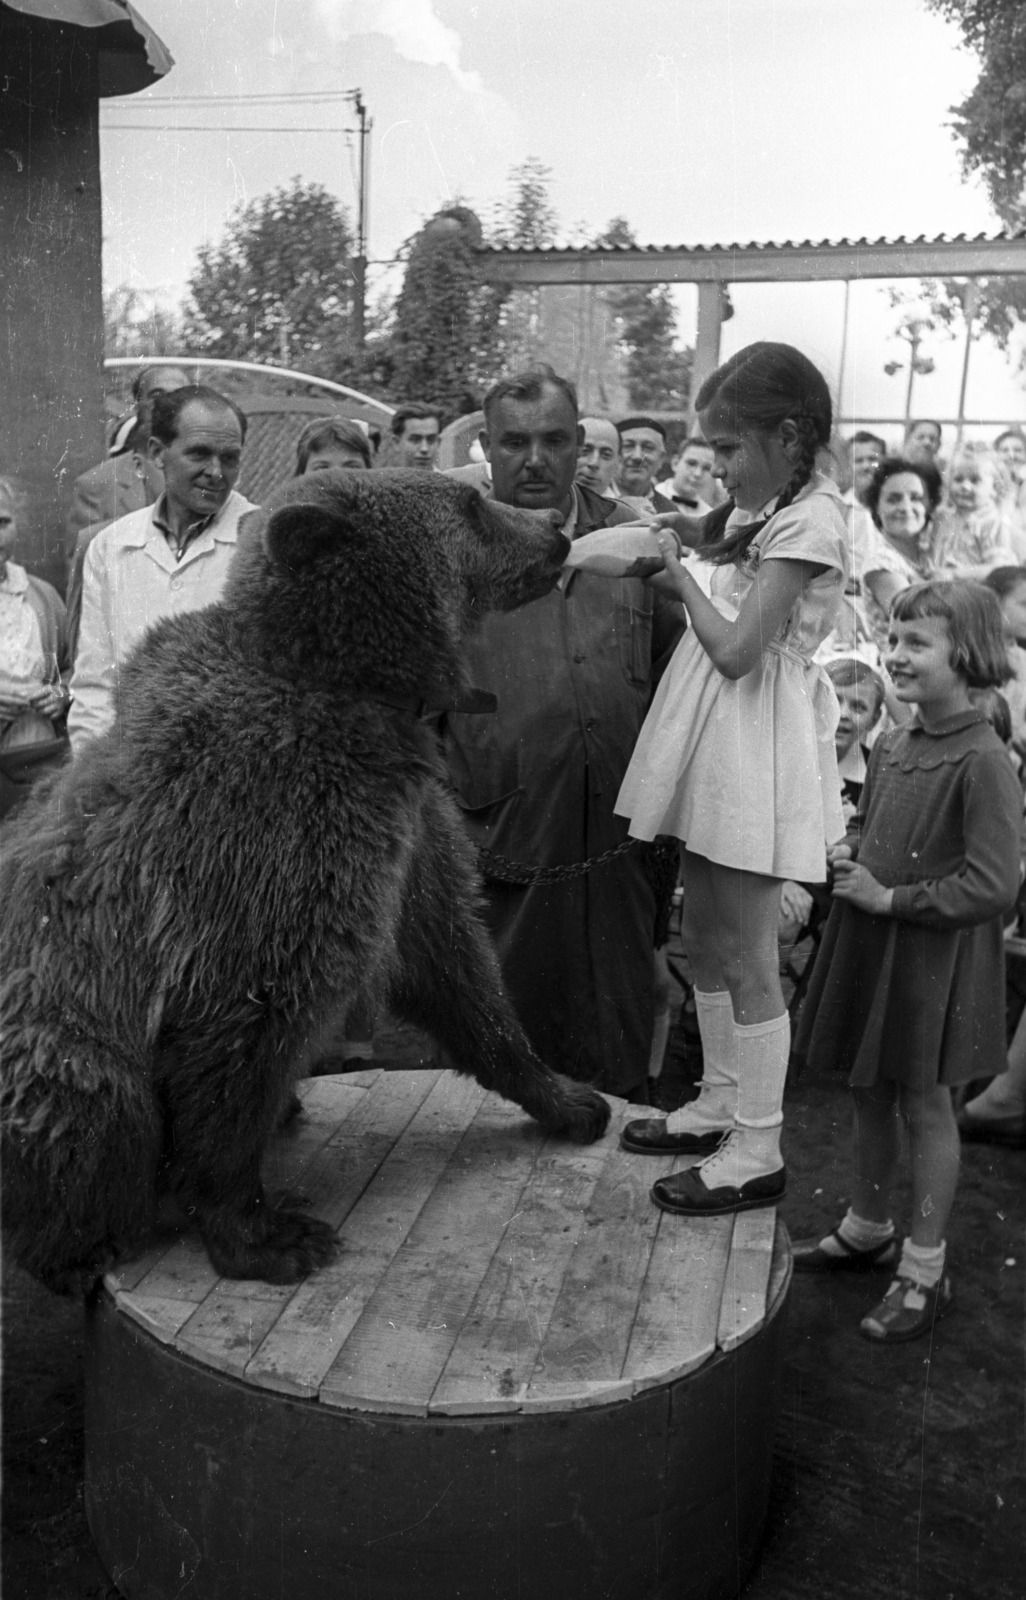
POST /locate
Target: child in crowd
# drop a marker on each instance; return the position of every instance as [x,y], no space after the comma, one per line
[908,990]
[1009,584]
[736,759]
[860,695]
[970,533]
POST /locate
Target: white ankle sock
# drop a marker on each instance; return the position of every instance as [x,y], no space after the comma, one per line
[717,1093]
[753,1149]
[858,1233]
[924,1264]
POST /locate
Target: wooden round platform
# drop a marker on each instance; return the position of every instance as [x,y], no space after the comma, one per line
[520,1378]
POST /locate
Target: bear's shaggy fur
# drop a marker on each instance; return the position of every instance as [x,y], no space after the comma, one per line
[263,840]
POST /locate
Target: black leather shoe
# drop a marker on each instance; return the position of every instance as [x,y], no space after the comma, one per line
[651,1138]
[687,1195]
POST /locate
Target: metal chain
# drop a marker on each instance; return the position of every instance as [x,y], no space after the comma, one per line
[501,870]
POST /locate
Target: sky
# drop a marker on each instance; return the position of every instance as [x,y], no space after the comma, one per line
[701,121]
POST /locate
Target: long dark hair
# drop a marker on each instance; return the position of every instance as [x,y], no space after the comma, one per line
[760,387]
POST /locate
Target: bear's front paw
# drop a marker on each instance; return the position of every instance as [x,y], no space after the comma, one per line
[576,1110]
[291,1246]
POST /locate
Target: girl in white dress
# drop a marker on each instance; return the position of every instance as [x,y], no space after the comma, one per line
[736,758]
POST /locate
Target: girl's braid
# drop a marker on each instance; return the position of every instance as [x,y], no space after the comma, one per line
[809,443]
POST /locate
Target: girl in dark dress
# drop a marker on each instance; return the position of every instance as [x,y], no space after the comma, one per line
[908,991]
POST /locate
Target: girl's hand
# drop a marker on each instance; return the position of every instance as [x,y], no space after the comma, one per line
[859,888]
[838,852]
[688,529]
[50,701]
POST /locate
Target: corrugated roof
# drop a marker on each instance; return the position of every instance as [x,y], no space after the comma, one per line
[881,243]
[131,55]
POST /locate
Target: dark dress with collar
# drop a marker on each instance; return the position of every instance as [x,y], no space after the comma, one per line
[918,997]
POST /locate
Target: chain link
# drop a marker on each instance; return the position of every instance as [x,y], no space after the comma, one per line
[499,869]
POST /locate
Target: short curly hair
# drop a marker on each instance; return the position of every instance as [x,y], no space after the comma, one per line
[890,467]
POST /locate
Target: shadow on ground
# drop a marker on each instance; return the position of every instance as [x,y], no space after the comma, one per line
[899,1473]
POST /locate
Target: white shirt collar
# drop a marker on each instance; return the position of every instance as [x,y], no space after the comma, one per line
[16,579]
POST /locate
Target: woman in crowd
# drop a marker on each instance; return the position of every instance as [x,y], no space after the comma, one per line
[901,499]
[34,666]
[1011,447]
[329,442]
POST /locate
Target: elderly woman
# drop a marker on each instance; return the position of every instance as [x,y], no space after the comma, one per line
[328,442]
[901,499]
[34,665]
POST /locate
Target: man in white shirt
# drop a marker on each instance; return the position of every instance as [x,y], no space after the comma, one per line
[866,451]
[692,487]
[164,559]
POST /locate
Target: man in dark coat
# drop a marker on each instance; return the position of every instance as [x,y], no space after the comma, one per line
[537,781]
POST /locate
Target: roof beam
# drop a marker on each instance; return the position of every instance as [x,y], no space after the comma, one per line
[761,263]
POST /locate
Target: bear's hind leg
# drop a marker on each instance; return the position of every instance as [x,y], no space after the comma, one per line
[224,1101]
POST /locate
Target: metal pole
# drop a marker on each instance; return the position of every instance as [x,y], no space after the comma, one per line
[913,351]
[360,261]
[970,300]
[844,348]
[707,341]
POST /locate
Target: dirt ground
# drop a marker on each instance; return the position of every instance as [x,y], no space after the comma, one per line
[899,1473]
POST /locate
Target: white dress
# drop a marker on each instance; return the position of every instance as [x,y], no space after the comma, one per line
[744,771]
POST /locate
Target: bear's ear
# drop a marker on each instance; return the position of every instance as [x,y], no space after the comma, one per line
[297,535]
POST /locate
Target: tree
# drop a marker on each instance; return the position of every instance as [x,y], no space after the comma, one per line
[444,342]
[658,372]
[990,125]
[278,287]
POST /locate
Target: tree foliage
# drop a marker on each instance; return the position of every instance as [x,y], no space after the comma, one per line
[136,324]
[443,346]
[990,126]
[658,373]
[278,286]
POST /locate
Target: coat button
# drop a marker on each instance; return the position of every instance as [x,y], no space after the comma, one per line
[578,659]
[591,724]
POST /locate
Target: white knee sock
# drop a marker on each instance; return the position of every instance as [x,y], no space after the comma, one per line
[753,1149]
[924,1264]
[717,1093]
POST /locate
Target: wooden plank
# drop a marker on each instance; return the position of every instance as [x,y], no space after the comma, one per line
[232,1322]
[678,1317]
[184,1272]
[392,1150]
[589,1331]
[781,1268]
[743,1308]
[160,1316]
[327,1103]
[495,1352]
[397,1351]
[130,1273]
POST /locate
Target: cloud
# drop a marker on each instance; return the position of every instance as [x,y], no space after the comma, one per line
[414,29]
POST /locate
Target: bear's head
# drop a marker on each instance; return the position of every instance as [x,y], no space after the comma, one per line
[371,580]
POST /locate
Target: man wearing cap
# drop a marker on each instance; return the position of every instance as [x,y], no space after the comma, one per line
[642,453]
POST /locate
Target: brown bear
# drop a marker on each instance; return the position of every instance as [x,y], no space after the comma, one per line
[262,841]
